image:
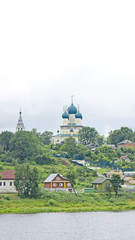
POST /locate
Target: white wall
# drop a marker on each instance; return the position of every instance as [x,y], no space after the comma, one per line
[7,187]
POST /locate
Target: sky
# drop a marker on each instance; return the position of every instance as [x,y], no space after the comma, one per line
[50,50]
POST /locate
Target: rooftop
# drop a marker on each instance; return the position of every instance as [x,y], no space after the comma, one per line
[52,176]
[8,174]
[99,180]
[124,142]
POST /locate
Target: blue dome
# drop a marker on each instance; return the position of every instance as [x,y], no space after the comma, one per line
[71,130]
[78,115]
[65,115]
[72,109]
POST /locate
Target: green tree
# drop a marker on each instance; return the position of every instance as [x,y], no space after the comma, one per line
[5,138]
[119,135]
[46,137]
[26,181]
[25,146]
[83,150]
[69,146]
[108,188]
[116,182]
[100,140]
[88,135]
[71,176]
[35,133]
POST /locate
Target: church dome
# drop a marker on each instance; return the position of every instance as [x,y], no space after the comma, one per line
[78,115]
[65,115]
[72,109]
[71,130]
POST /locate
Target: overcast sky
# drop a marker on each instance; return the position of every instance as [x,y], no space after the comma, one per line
[50,50]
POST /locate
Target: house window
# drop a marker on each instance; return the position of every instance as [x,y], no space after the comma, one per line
[4,183]
[57,178]
[54,184]
[68,184]
[0,183]
[10,183]
[61,184]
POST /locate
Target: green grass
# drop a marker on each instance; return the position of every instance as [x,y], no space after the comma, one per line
[66,202]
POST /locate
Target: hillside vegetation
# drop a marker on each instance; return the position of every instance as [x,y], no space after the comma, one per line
[37,150]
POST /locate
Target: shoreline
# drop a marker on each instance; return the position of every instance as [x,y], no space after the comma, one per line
[74,209]
[63,202]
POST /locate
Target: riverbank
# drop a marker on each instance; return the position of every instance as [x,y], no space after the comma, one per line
[64,202]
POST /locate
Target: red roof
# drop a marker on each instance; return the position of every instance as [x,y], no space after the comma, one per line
[8,174]
[123,157]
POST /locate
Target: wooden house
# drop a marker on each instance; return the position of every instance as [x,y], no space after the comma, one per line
[99,183]
[56,182]
[126,144]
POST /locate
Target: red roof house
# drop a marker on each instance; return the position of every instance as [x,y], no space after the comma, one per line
[7,181]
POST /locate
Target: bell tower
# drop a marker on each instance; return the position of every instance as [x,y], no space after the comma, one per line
[20,125]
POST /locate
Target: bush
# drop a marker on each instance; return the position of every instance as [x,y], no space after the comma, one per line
[7,198]
[1,168]
[52,202]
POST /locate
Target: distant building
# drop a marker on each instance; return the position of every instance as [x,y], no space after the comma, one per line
[57,182]
[126,144]
[72,123]
[125,158]
[92,146]
[129,181]
[110,173]
[129,174]
[99,183]
[7,182]
[20,125]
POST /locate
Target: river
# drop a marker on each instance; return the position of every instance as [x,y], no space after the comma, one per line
[68,226]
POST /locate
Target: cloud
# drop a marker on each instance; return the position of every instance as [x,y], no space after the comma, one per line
[50,50]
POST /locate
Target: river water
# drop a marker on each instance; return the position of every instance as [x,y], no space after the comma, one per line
[68,226]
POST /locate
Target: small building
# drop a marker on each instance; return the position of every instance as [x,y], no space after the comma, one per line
[125,158]
[57,182]
[129,181]
[110,173]
[99,183]
[126,144]
[7,182]
[92,146]
[129,174]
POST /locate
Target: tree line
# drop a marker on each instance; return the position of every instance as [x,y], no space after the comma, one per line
[31,146]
